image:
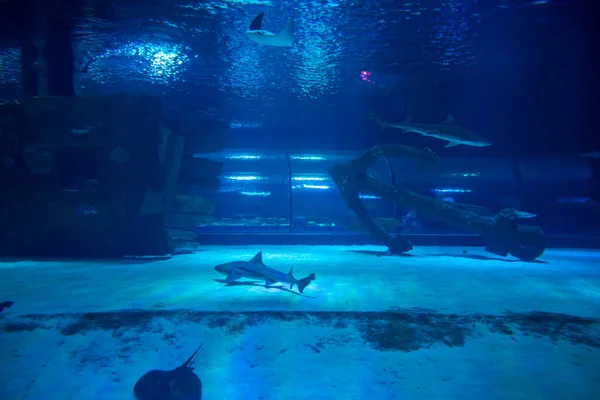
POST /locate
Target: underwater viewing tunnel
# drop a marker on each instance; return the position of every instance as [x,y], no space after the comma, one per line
[270,193]
[180,187]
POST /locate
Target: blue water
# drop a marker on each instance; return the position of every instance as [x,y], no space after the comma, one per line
[449,319]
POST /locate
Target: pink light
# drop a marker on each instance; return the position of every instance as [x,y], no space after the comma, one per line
[365,75]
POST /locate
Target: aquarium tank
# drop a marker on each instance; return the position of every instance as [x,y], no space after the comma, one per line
[299,200]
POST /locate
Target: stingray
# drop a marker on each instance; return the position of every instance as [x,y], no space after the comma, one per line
[180,383]
[285,38]
[5,304]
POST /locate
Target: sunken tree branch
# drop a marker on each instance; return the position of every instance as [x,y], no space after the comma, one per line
[503,234]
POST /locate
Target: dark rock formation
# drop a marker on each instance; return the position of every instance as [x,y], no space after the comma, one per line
[86,176]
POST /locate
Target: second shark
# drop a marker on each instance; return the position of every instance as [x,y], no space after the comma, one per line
[256,269]
[448,131]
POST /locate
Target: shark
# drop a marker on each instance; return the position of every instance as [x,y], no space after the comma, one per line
[449,131]
[285,38]
[256,269]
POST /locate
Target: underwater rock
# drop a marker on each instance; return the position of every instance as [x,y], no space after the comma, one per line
[152,203]
[89,151]
[38,162]
[180,383]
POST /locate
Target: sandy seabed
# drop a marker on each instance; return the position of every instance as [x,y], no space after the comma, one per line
[436,324]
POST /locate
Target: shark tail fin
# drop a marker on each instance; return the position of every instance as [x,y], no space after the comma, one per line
[303,283]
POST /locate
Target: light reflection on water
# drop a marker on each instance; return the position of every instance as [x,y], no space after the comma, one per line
[172,46]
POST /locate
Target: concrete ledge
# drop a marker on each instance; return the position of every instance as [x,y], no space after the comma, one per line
[344,239]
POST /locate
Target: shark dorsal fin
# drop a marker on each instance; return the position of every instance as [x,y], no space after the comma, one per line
[449,120]
[257,258]
[408,120]
[291,273]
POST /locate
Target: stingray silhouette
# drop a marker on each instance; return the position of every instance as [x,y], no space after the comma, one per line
[180,383]
[5,304]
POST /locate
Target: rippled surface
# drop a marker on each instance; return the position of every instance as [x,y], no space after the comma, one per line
[197,56]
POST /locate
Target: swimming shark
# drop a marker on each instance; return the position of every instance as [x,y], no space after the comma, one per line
[256,269]
[449,131]
[285,38]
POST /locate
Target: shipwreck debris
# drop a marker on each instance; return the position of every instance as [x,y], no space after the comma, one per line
[503,234]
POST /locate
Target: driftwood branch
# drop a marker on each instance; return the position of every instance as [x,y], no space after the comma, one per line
[503,233]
